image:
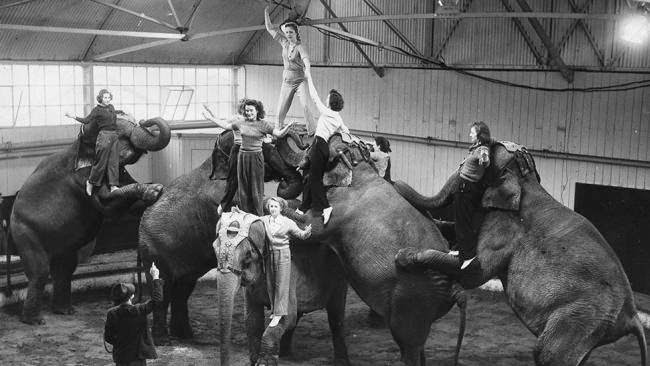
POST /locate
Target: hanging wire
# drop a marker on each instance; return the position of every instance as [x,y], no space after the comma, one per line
[632,85]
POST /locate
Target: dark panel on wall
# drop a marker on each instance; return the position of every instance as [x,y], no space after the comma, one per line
[622,215]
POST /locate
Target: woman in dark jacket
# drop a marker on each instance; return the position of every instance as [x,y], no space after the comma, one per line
[102,126]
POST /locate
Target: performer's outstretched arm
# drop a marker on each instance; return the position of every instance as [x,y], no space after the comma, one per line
[268,24]
[314,94]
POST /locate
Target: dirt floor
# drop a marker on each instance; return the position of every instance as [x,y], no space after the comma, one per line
[494,337]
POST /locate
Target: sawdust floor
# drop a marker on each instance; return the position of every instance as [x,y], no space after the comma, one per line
[494,337]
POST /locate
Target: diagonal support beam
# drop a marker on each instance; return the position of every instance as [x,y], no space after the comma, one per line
[438,53]
[190,19]
[548,43]
[393,28]
[574,24]
[378,70]
[101,26]
[522,30]
[171,8]
[587,31]
[139,15]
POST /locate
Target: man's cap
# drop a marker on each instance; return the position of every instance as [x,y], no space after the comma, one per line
[122,292]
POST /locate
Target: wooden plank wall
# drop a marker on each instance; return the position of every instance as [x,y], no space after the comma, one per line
[441,104]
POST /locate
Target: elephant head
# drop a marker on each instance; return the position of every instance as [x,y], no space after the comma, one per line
[240,263]
[282,159]
[134,139]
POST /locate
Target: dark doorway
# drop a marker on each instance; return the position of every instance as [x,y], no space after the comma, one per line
[622,215]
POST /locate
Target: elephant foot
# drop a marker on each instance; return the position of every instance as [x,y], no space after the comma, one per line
[181,331]
[32,320]
[267,361]
[69,310]
[151,193]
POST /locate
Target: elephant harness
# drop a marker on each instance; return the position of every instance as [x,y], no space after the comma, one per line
[224,246]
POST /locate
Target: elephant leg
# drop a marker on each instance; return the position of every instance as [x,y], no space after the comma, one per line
[159,328]
[37,267]
[287,340]
[61,269]
[254,326]
[335,316]
[179,324]
[565,341]
[269,350]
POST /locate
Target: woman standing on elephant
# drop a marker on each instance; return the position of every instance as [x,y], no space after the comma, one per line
[296,65]
[231,180]
[467,198]
[329,123]
[278,229]
[250,161]
[102,127]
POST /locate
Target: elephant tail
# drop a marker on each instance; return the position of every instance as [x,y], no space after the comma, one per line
[460,298]
[639,333]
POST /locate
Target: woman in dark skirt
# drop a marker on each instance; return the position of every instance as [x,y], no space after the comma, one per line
[102,127]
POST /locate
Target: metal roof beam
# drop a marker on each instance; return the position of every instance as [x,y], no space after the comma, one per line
[244,50]
[379,71]
[101,32]
[393,28]
[587,31]
[171,7]
[190,19]
[101,26]
[134,13]
[520,27]
[438,53]
[15,4]
[548,43]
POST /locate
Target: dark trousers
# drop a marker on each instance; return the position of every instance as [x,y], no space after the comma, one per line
[314,195]
[469,216]
[231,181]
[133,363]
[107,160]
[250,176]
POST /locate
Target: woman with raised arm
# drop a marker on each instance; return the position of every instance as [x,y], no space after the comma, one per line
[296,64]
[250,161]
[329,123]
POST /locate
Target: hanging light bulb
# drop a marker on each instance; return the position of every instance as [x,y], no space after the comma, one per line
[635,29]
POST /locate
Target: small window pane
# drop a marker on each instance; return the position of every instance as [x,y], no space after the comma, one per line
[185,97]
[67,74]
[51,75]
[140,94]
[165,76]
[201,94]
[5,75]
[153,94]
[225,76]
[36,96]
[99,75]
[22,116]
[126,75]
[153,110]
[140,111]
[224,93]
[188,76]
[79,96]
[140,76]
[21,96]
[113,75]
[53,115]
[36,75]
[52,95]
[152,76]
[78,75]
[21,75]
[37,115]
[213,76]
[5,96]
[6,116]
[212,93]
[126,95]
[202,76]
[177,76]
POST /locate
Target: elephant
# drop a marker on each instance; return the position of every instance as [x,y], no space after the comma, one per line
[52,217]
[561,278]
[317,282]
[370,222]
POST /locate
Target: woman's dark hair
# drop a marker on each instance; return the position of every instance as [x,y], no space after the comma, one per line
[293,26]
[336,100]
[255,103]
[383,144]
[101,94]
[482,132]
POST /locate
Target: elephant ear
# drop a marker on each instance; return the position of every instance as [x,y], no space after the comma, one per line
[506,195]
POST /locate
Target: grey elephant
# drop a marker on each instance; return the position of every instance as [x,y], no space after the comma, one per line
[179,229]
[561,278]
[52,217]
[317,282]
[370,222]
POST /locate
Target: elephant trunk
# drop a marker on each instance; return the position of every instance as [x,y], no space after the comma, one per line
[145,139]
[443,198]
[227,286]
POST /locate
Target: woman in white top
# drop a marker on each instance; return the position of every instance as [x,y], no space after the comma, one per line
[279,229]
[329,123]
